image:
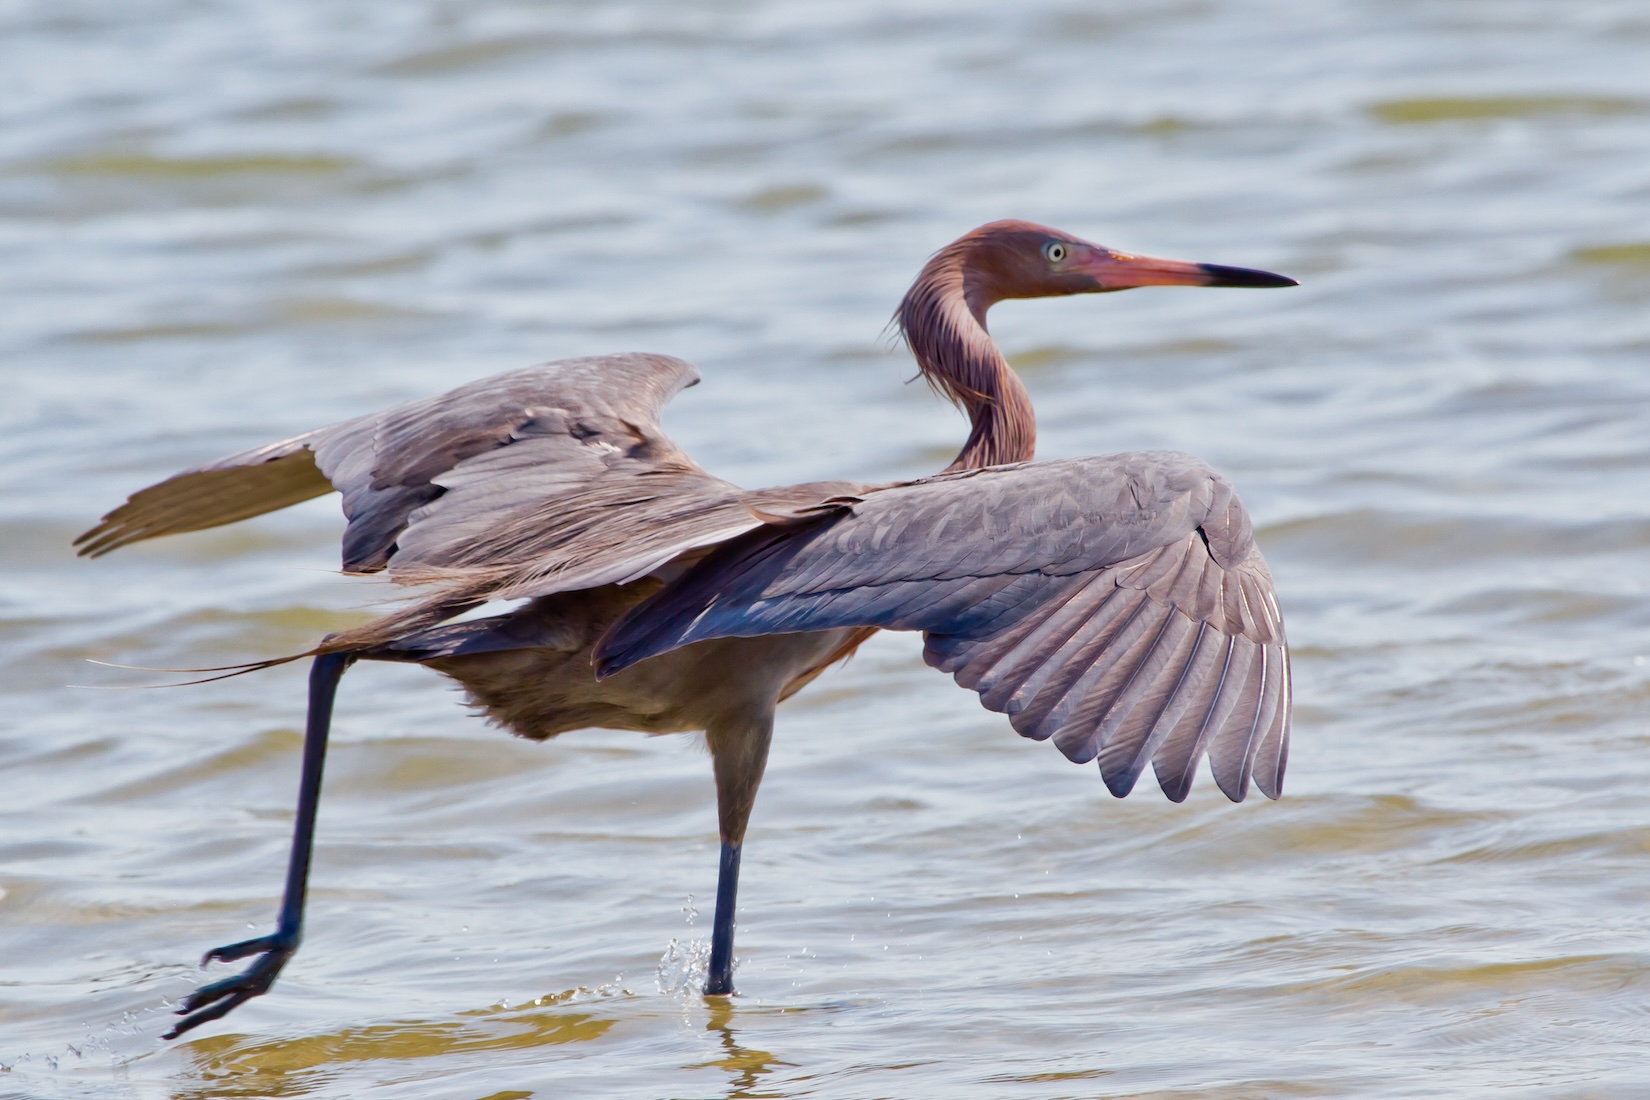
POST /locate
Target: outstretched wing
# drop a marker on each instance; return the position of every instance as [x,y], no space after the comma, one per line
[234,488]
[1117,605]
[557,471]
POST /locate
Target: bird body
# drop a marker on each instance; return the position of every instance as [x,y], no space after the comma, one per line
[530,671]
[1116,605]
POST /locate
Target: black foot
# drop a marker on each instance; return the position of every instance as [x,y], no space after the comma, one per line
[219,999]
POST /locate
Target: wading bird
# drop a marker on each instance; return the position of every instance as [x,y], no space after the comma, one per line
[1116,605]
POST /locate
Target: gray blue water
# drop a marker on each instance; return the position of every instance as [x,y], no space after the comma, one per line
[226,222]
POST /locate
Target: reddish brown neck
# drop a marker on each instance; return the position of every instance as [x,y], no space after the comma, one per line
[943,319]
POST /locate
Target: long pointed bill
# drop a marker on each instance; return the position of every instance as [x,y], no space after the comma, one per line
[1120,270]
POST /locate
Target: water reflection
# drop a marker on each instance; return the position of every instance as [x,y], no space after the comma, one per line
[745,1066]
[245,1066]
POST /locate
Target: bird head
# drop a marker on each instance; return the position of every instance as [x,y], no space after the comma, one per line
[1017,259]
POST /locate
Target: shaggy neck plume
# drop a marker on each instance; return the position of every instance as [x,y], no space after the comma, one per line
[943,321]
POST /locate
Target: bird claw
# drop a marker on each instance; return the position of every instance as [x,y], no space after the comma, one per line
[220,998]
[257,946]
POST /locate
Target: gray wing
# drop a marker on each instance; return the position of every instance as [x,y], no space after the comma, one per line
[522,474]
[1116,605]
[234,488]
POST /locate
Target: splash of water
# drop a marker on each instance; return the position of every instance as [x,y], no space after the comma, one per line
[683,967]
[685,963]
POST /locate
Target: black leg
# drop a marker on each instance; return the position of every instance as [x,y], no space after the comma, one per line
[218,999]
[720,980]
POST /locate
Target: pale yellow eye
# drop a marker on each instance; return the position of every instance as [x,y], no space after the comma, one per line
[1054,251]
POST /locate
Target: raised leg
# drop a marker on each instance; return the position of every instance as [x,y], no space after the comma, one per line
[218,999]
[739,748]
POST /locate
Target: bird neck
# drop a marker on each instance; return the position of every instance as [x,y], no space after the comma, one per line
[943,320]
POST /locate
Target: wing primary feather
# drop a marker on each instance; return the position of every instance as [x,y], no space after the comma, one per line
[1176,761]
[1227,697]
[1103,702]
[1206,599]
[1271,699]
[1231,602]
[1159,746]
[229,489]
[1093,693]
[1231,749]
[1255,623]
[1126,736]
[1274,746]
[160,516]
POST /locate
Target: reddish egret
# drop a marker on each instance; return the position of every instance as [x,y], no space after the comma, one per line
[1116,605]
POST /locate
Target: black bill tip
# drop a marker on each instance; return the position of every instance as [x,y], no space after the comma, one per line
[1221,275]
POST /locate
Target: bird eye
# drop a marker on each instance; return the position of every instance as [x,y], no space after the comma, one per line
[1055,251]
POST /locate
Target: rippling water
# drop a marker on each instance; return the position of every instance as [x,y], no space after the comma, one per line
[224,223]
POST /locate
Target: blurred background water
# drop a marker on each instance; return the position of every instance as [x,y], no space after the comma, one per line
[226,222]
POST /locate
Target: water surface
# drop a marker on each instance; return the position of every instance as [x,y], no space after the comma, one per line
[228,223]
